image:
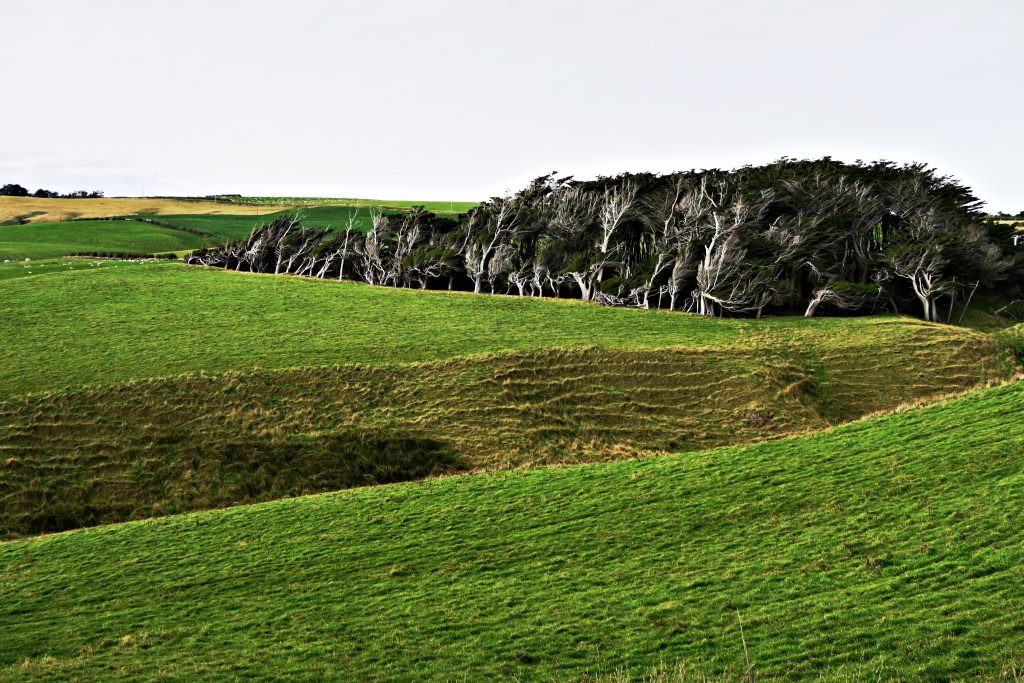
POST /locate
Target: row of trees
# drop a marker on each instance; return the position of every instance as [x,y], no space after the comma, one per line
[15,190]
[805,235]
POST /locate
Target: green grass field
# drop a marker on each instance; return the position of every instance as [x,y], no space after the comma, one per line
[115,325]
[883,549]
[887,549]
[53,240]
[141,449]
[52,266]
[49,240]
[462,382]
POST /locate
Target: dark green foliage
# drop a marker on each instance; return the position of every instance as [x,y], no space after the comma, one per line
[13,190]
[757,239]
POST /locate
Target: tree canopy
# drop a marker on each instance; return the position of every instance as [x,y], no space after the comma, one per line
[807,235]
[16,190]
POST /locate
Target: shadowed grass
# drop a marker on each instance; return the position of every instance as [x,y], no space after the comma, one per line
[119,452]
[888,548]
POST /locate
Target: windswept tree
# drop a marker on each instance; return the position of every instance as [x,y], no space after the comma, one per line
[488,229]
[613,206]
[936,254]
[847,296]
[719,219]
[795,235]
[373,252]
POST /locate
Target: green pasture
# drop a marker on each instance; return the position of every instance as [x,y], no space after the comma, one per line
[54,240]
[117,324]
[889,549]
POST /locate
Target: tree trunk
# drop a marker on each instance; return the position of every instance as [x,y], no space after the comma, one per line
[812,307]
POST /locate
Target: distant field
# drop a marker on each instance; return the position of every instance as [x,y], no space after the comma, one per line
[16,209]
[53,240]
[30,209]
[435,206]
[113,325]
[233,227]
[885,550]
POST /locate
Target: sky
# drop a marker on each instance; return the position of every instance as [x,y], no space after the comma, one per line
[467,99]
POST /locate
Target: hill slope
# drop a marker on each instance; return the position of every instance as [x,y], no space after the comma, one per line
[888,548]
[118,452]
[115,325]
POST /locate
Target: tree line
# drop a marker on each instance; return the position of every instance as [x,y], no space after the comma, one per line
[16,190]
[807,235]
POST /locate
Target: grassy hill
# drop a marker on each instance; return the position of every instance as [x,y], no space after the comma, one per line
[53,266]
[52,240]
[409,384]
[885,549]
[130,451]
[113,325]
[235,210]
[42,240]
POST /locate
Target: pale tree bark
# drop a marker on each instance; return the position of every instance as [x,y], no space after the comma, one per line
[720,220]
[614,205]
[371,254]
[350,228]
[923,270]
[478,252]
[843,296]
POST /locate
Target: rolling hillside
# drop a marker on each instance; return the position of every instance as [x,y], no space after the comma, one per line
[156,320]
[885,549]
[130,451]
[398,385]
[440,207]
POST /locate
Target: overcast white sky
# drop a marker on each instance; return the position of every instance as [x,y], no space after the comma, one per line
[464,99]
